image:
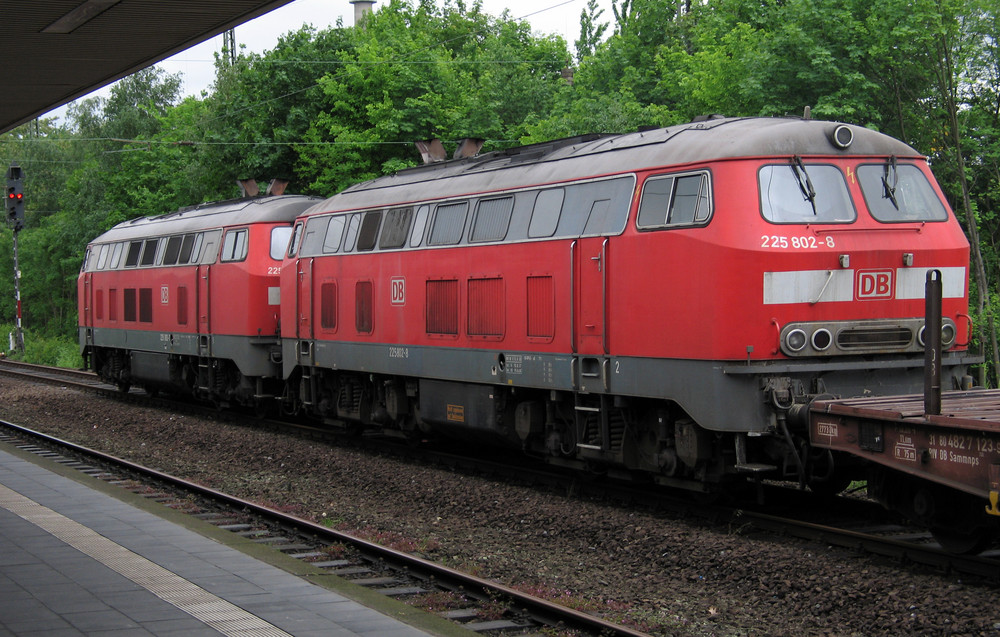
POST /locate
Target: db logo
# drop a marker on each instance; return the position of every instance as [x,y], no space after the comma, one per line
[397,291]
[874,284]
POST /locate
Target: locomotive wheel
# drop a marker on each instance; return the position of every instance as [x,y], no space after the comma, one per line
[123,386]
[962,541]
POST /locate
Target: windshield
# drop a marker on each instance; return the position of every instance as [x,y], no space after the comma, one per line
[901,192]
[804,193]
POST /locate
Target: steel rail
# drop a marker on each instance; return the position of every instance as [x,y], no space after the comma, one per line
[543,610]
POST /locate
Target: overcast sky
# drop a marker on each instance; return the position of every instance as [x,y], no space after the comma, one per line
[560,17]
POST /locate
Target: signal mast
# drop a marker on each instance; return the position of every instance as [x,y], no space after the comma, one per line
[14,209]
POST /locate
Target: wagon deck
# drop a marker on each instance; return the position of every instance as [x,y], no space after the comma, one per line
[960,447]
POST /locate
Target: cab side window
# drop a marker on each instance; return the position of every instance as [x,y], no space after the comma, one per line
[234,245]
[675,200]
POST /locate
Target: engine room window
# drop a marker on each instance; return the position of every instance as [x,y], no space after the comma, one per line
[132,258]
[172,250]
[149,252]
[675,201]
[352,232]
[449,224]
[334,234]
[279,241]
[804,193]
[234,246]
[900,193]
[102,260]
[190,248]
[369,231]
[417,236]
[116,256]
[492,219]
[545,215]
[396,228]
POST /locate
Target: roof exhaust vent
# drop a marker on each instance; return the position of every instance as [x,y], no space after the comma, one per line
[431,151]
[468,147]
[277,187]
[248,187]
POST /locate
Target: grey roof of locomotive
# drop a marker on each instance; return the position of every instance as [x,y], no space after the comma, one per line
[273,209]
[596,155]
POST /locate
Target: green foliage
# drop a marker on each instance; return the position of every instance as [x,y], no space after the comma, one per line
[418,73]
[43,350]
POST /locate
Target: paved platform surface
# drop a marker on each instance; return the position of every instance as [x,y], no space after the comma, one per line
[77,561]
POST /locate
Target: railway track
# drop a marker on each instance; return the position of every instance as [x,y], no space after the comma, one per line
[480,605]
[861,525]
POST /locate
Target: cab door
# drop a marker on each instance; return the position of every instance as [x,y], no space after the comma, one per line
[87,300]
[304,314]
[590,296]
[203,311]
[590,309]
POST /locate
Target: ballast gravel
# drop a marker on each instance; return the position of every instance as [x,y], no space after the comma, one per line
[665,576]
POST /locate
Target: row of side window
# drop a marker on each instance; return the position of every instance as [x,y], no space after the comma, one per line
[192,248]
[597,207]
[182,249]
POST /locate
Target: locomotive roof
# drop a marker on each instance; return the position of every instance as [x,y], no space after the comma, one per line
[715,138]
[272,209]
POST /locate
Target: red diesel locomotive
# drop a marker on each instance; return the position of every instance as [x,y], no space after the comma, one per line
[654,302]
[189,300]
[657,304]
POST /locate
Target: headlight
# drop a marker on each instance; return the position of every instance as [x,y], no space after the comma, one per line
[947,335]
[821,339]
[796,340]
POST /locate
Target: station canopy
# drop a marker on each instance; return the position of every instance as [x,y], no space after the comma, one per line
[55,51]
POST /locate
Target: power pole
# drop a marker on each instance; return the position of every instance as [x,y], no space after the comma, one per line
[229,46]
[14,208]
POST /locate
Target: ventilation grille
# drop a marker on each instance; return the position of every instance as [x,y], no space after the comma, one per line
[858,338]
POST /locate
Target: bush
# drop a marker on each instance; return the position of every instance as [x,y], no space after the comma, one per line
[42,350]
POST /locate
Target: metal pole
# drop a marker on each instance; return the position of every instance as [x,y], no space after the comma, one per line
[18,335]
[932,343]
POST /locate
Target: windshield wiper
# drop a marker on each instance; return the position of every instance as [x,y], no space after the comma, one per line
[889,192]
[805,184]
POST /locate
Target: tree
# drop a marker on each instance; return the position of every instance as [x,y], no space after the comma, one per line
[416,73]
[591,32]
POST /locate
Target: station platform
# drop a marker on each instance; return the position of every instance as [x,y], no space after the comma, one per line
[78,559]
